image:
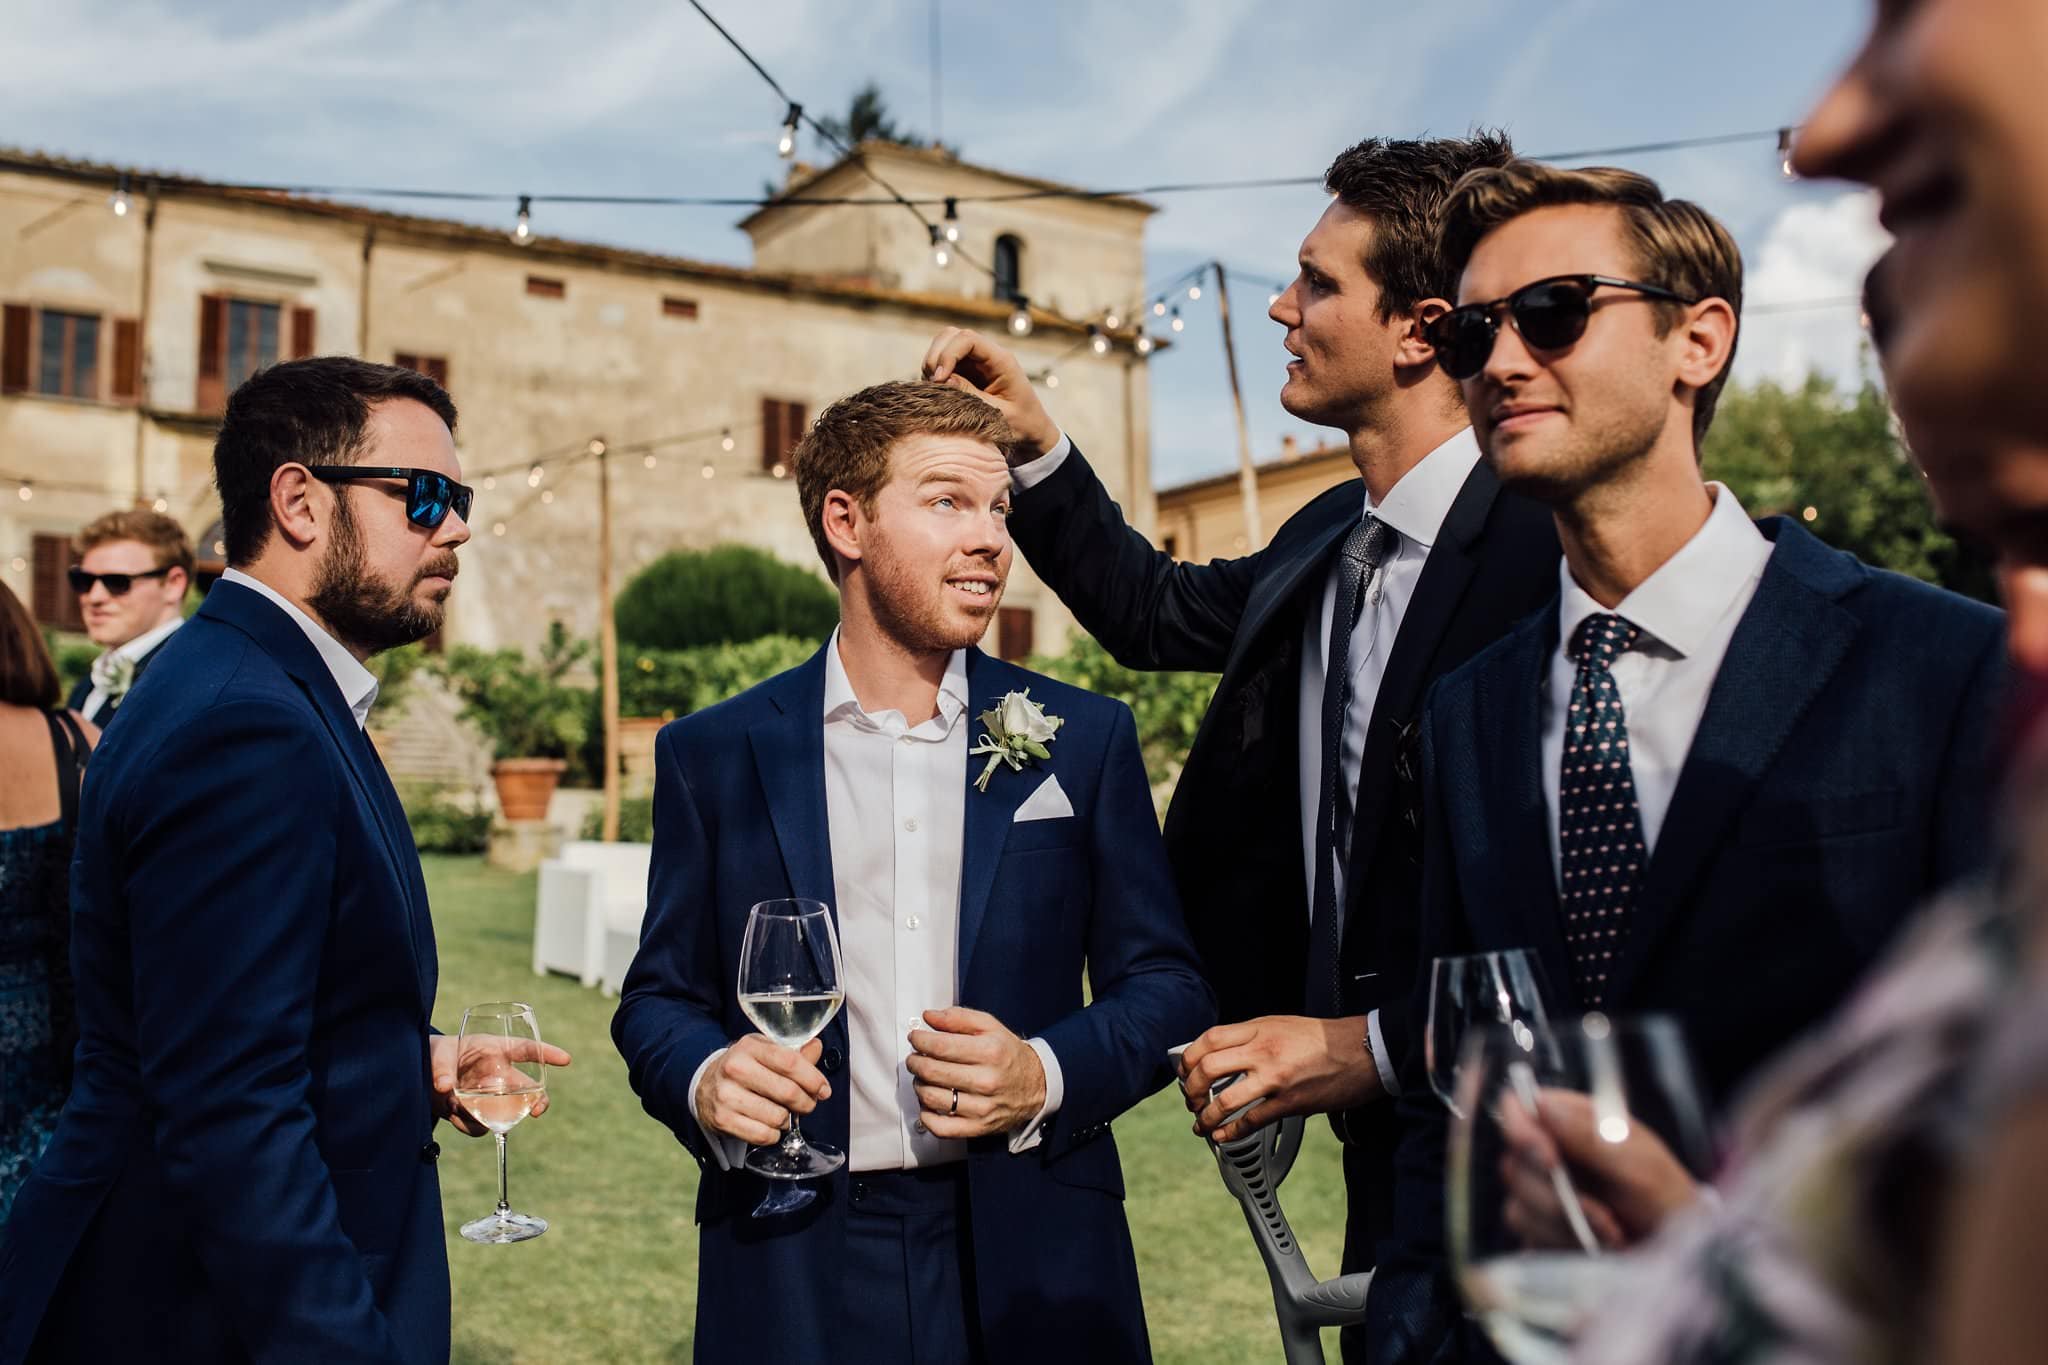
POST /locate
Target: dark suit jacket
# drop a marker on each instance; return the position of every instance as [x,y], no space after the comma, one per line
[82,689]
[1839,775]
[240,1172]
[739,814]
[1234,830]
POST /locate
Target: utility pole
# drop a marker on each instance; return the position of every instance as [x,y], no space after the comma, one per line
[1247,473]
[607,640]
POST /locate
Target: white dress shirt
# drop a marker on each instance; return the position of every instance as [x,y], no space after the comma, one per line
[896,814]
[133,651]
[1687,610]
[358,684]
[1415,507]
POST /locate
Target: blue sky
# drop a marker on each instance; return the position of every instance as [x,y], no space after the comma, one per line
[638,96]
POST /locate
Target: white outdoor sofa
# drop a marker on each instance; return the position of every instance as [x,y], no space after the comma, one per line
[586,921]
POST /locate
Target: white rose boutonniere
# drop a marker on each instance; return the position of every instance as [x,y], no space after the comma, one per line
[113,674]
[1018,729]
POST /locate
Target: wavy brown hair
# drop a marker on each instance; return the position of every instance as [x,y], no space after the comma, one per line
[27,677]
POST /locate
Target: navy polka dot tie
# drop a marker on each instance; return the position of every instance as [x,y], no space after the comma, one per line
[1600,829]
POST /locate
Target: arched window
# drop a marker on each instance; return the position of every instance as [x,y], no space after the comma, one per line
[1009,267]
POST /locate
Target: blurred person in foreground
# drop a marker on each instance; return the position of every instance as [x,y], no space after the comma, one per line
[245,1168]
[43,750]
[1720,771]
[133,570]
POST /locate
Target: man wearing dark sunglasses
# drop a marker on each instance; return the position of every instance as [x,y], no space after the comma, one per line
[258,1083]
[133,569]
[1716,772]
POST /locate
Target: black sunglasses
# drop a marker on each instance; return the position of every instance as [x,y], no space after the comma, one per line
[429,497]
[1550,315]
[117,583]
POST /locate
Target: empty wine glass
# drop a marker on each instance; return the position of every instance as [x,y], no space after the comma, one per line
[790,987]
[499,1079]
[1477,989]
[1533,1280]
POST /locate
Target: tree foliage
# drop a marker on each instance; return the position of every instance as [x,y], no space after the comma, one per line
[526,708]
[1838,455]
[868,119]
[1168,707]
[729,594]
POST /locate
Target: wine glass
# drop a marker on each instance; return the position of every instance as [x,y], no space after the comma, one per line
[1477,989]
[1535,1284]
[499,1079]
[790,987]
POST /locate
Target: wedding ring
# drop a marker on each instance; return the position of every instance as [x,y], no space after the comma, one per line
[956,1104]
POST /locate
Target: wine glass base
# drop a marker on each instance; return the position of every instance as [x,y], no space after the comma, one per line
[807,1162]
[504,1227]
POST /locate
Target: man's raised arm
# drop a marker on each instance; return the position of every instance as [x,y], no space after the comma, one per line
[1147,609]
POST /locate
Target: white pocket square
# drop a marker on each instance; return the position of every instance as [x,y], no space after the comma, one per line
[1047,803]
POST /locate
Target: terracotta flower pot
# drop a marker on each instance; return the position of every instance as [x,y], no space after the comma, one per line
[526,785]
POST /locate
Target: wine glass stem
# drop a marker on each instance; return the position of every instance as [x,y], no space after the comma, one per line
[504,1207]
[793,1140]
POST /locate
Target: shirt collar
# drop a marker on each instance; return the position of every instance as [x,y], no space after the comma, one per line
[1690,592]
[1420,500]
[148,640]
[358,684]
[842,704]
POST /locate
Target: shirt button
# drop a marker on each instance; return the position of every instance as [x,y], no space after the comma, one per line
[911,922]
[911,824]
[917,1126]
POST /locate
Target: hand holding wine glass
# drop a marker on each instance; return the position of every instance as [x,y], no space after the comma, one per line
[500,1079]
[789,987]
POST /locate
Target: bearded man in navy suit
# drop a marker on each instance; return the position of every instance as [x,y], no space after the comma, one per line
[979,1214]
[244,1170]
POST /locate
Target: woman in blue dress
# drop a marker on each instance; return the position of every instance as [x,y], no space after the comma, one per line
[43,751]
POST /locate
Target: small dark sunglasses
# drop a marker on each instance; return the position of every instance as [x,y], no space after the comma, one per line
[429,496]
[1550,315]
[117,583]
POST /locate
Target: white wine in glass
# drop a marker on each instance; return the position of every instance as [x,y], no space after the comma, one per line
[499,1080]
[790,987]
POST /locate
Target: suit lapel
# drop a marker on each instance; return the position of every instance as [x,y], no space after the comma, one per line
[789,753]
[1784,652]
[1445,574]
[989,813]
[1327,523]
[1514,811]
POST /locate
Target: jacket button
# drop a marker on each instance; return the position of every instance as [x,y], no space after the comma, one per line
[430,1153]
[831,1060]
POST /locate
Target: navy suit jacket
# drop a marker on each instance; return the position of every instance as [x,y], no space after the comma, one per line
[1840,774]
[82,689]
[739,817]
[243,1170]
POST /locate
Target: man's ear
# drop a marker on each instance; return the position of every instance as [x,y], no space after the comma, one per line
[293,504]
[1415,348]
[1708,340]
[843,523]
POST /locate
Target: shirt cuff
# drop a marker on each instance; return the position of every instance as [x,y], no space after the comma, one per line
[729,1152]
[1029,1136]
[1376,1043]
[1034,472]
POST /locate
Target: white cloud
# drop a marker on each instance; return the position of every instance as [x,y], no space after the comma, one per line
[1816,253]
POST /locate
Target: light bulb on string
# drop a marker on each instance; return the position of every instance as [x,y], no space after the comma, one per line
[648,461]
[1097,342]
[547,495]
[119,202]
[785,147]
[27,491]
[952,220]
[533,477]
[20,565]
[724,443]
[490,483]
[940,256]
[596,446]
[1144,344]
[1020,318]
[1194,292]
[1111,320]
[1178,323]
[1159,308]
[497,528]
[1052,381]
[778,470]
[522,229]
[161,505]
[1785,154]
[709,471]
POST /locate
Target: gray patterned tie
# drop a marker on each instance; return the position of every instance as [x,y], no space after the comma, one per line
[1358,563]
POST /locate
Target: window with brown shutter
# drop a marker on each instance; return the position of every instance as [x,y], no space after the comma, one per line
[213,394]
[674,307]
[782,426]
[434,367]
[67,354]
[302,333]
[53,602]
[238,337]
[1014,632]
[15,319]
[126,384]
[546,287]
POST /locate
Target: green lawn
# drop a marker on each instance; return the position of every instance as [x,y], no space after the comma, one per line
[615,1277]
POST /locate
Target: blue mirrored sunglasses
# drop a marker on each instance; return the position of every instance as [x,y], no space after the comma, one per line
[430,495]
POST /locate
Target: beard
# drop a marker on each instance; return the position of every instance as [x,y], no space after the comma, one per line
[913,613]
[363,610]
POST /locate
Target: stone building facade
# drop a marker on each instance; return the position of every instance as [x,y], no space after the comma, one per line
[1204,519]
[121,334]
